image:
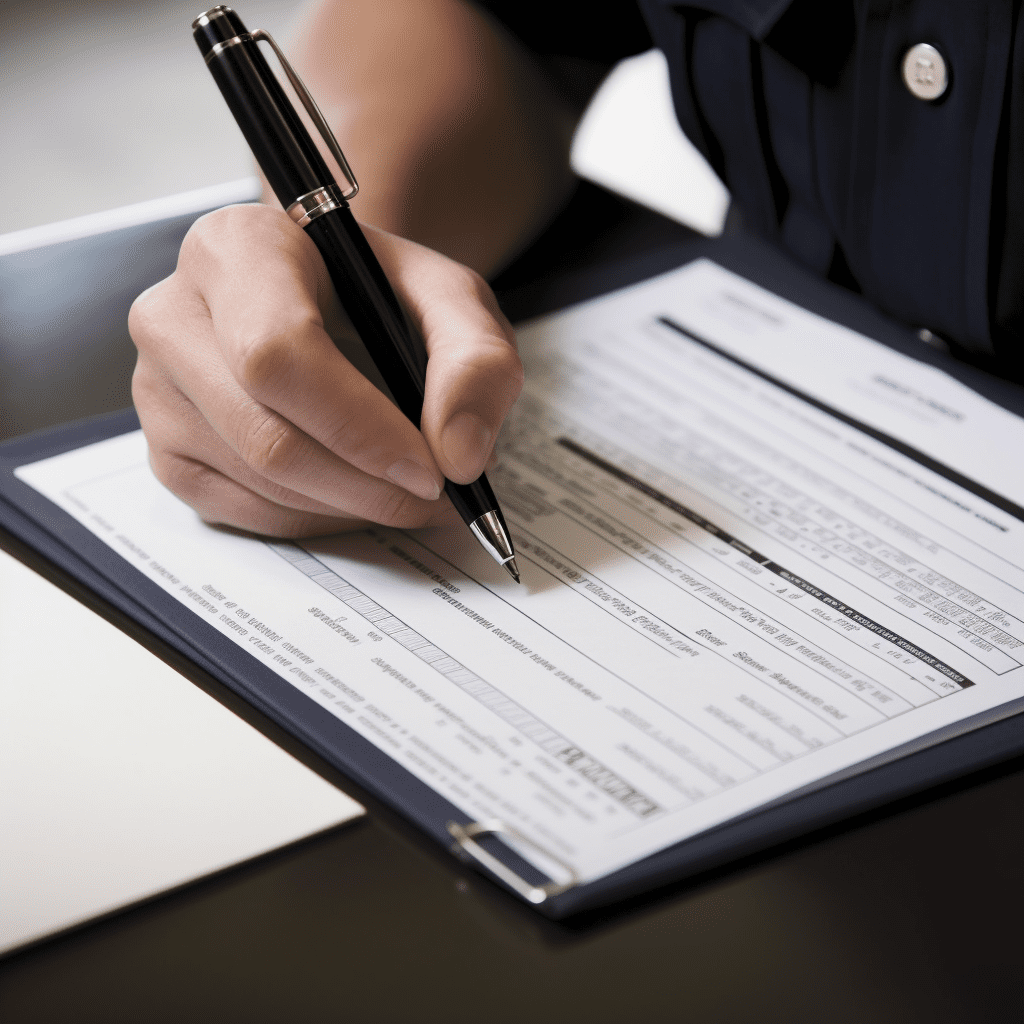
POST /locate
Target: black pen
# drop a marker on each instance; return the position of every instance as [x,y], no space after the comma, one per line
[307,190]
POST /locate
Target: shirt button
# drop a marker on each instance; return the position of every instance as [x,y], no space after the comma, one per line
[924,72]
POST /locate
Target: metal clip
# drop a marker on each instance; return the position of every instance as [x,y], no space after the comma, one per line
[313,110]
[464,836]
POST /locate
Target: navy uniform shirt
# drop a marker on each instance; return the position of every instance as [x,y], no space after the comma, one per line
[804,110]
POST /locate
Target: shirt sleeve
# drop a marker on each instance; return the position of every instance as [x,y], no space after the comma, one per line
[575,30]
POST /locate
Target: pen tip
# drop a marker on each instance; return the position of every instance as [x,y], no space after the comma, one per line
[513,569]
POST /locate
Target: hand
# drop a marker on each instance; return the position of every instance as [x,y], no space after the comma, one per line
[256,420]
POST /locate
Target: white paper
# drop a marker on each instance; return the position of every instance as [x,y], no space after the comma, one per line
[119,778]
[728,594]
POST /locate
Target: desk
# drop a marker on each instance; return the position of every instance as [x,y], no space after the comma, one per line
[906,914]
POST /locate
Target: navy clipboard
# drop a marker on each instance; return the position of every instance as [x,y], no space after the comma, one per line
[38,523]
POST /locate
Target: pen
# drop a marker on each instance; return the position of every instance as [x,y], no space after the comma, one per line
[307,190]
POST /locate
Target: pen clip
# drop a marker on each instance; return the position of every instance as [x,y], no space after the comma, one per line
[260,35]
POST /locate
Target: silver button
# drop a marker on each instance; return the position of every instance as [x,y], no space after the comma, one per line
[924,72]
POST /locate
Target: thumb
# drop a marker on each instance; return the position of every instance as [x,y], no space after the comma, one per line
[473,370]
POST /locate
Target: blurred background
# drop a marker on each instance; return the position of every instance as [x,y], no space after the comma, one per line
[106,103]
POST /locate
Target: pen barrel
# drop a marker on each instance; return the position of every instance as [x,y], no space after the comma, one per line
[294,168]
[396,349]
[275,134]
[472,500]
[372,306]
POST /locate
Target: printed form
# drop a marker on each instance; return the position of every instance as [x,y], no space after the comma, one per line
[758,550]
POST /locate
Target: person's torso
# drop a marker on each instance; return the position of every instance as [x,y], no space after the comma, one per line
[874,139]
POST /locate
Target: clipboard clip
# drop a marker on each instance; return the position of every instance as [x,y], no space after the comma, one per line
[466,846]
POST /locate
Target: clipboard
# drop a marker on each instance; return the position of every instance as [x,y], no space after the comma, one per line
[48,530]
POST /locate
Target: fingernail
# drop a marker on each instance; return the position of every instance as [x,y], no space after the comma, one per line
[413,477]
[466,441]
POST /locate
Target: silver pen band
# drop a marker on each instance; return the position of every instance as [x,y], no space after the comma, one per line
[489,530]
[220,11]
[219,48]
[315,204]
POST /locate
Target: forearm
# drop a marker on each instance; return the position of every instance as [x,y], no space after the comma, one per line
[457,138]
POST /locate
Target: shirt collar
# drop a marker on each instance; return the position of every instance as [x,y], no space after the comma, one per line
[756,17]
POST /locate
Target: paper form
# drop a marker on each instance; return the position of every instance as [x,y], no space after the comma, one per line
[729,592]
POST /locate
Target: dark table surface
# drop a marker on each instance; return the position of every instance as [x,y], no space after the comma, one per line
[909,913]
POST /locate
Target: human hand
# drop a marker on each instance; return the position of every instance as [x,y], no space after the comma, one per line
[256,420]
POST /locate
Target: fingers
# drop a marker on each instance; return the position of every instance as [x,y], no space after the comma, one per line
[473,373]
[263,284]
[195,408]
[256,419]
[221,501]
[190,459]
